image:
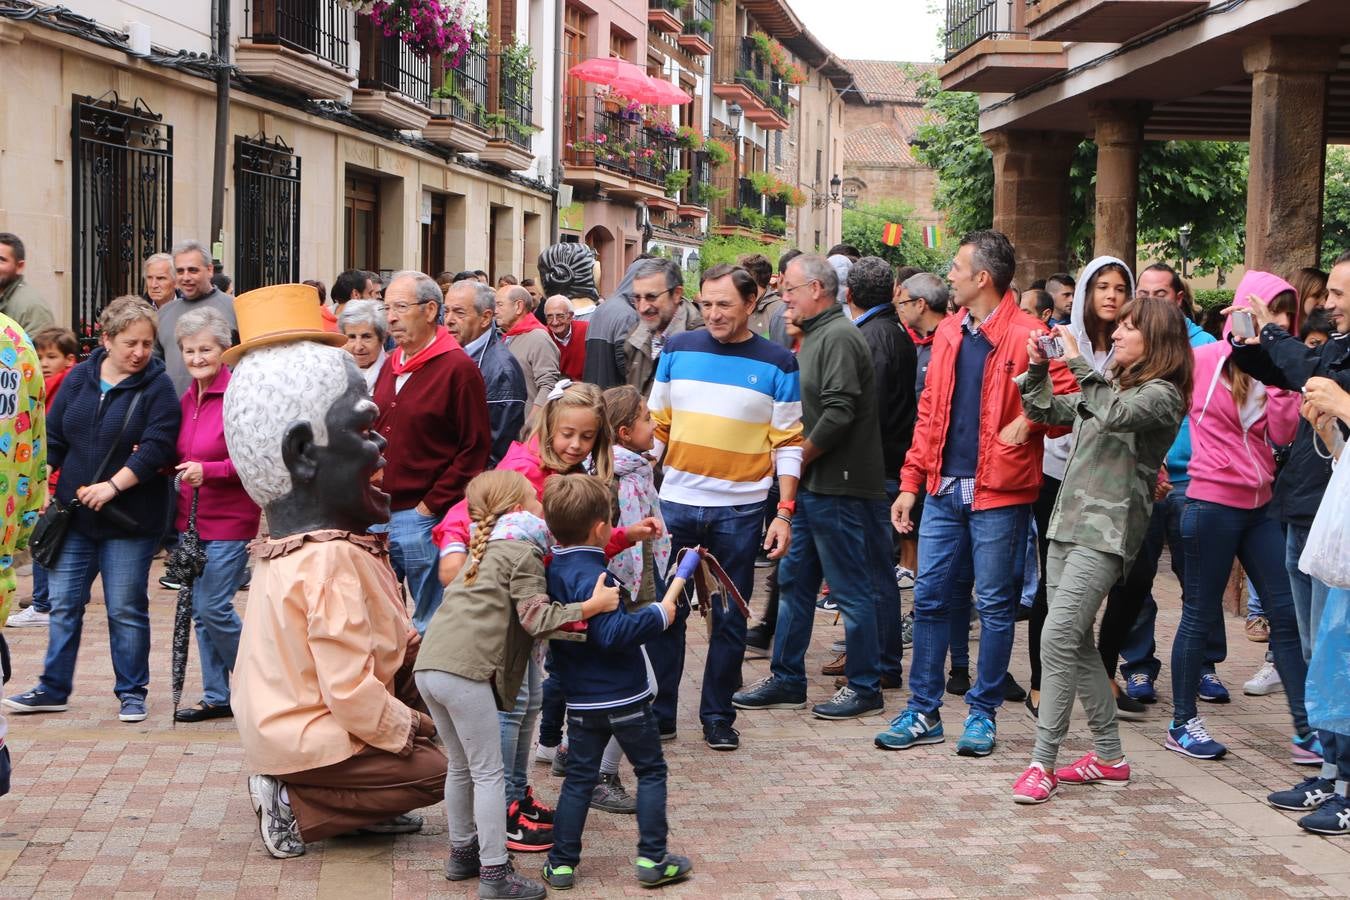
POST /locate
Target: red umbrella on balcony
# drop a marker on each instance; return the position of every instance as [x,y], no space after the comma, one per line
[628,79]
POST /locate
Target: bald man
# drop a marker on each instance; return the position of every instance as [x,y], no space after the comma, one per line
[529,341]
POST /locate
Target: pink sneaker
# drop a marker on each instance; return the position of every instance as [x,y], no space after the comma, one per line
[1035,786]
[1091,770]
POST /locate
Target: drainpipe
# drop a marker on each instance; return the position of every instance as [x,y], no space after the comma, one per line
[558,101]
[222,10]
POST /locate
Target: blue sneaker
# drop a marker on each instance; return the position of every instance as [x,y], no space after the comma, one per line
[1140,687]
[1306,750]
[769,693]
[1308,794]
[133,709]
[1333,817]
[1212,689]
[35,701]
[910,729]
[1191,739]
[979,736]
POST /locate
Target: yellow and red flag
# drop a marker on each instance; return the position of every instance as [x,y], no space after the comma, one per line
[891,233]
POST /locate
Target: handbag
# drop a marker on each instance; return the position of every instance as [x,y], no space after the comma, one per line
[1326,554]
[52,526]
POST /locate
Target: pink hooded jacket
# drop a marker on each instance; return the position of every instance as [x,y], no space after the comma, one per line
[1232,462]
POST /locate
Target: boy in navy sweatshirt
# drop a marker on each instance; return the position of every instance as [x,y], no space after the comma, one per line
[605,681]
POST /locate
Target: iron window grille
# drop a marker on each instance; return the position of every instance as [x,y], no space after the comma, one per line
[266,213]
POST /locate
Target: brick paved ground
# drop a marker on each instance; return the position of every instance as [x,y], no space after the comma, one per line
[806,809]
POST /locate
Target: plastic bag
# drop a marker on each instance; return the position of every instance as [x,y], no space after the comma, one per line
[1326,555]
[1328,692]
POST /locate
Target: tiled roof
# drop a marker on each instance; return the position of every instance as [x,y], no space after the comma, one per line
[885,81]
[880,145]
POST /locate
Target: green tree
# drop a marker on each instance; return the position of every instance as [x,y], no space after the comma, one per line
[1198,183]
[1336,206]
[862,228]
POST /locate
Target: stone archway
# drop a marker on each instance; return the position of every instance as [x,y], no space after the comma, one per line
[601,240]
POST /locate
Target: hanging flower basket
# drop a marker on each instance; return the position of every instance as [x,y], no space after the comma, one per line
[429,27]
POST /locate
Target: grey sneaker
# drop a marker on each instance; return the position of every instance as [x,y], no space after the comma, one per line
[514,886]
[462,870]
[404,824]
[276,822]
[133,710]
[559,765]
[654,874]
[611,796]
[907,629]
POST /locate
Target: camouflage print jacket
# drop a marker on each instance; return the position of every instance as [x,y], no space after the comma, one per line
[1120,439]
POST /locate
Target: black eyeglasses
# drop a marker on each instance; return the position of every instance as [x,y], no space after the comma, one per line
[652,298]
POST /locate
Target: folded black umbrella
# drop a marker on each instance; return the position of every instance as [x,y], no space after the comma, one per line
[185,564]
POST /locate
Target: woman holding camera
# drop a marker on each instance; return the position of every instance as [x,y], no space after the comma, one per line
[111,432]
[1123,421]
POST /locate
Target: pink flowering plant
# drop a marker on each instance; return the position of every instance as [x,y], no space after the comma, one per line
[428,27]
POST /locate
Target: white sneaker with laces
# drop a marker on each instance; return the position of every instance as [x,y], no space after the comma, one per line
[1265,681]
[28,618]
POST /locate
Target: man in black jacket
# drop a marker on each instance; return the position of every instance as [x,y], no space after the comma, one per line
[1281,360]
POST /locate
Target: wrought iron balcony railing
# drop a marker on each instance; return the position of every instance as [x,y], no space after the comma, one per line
[971,21]
[320,28]
[515,100]
[388,64]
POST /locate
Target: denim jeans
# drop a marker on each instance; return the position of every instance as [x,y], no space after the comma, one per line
[1138,654]
[589,730]
[416,560]
[552,711]
[217,623]
[1310,598]
[124,564]
[731,533]
[958,547]
[1212,536]
[517,725]
[842,540]
[42,600]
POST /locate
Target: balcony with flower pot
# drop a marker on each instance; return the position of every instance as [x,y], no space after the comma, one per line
[666,15]
[745,75]
[458,105]
[395,84]
[302,45]
[697,193]
[696,36]
[510,128]
[599,159]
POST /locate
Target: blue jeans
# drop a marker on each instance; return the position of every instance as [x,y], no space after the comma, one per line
[731,533]
[960,547]
[588,731]
[42,600]
[554,708]
[1139,652]
[124,564]
[845,541]
[517,726]
[1212,536]
[1310,598]
[415,559]
[217,623]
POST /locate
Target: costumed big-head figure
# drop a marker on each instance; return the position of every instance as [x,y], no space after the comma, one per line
[298,419]
[572,270]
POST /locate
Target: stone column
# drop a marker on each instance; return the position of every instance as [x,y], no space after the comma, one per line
[1031,197]
[1288,150]
[1119,133]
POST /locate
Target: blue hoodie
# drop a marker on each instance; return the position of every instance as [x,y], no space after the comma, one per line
[1179,457]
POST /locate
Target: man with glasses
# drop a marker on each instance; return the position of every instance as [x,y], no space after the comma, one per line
[922,305]
[434,416]
[568,334]
[658,296]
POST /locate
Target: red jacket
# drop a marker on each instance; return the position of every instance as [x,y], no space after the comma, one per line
[437,429]
[573,356]
[1006,474]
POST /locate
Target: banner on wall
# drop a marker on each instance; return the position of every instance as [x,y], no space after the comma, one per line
[572,217]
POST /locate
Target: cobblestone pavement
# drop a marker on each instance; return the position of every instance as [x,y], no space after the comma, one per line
[806,809]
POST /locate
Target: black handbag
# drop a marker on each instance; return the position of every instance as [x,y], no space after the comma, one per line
[54,523]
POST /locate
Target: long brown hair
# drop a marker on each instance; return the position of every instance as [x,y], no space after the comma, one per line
[1167,352]
[1098,329]
[576,396]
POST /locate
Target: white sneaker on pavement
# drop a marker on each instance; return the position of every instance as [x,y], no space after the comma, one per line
[1265,681]
[27,618]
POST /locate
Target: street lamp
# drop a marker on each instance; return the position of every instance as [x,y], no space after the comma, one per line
[734,114]
[820,201]
[1184,240]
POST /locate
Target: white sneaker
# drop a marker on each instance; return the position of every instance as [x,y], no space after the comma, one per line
[904,578]
[27,618]
[544,754]
[1265,681]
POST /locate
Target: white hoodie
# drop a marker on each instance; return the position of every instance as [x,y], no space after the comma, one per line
[1057,450]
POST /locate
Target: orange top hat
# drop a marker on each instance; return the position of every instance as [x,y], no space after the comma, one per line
[279,314]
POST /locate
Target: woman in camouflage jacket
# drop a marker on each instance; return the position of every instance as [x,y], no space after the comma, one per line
[1122,428]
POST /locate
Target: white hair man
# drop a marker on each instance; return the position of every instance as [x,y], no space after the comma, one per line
[568,333]
[325,617]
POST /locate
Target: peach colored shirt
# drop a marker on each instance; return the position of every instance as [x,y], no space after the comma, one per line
[325,632]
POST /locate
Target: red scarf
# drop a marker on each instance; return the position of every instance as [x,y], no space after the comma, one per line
[444,342]
[527,322]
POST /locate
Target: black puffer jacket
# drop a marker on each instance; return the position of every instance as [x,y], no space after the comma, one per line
[896,363]
[1284,361]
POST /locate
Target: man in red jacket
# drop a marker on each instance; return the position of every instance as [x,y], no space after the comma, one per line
[433,413]
[568,334]
[978,461]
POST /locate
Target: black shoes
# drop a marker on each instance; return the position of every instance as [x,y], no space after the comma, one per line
[202,712]
[958,681]
[721,736]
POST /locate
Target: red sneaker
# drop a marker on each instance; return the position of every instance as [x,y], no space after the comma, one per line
[1091,770]
[532,809]
[1035,786]
[524,835]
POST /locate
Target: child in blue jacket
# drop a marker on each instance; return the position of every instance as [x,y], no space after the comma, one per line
[605,681]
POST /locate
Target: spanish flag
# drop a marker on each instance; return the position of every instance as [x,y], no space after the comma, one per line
[891,234]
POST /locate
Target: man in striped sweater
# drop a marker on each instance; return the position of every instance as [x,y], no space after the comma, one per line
[727,407]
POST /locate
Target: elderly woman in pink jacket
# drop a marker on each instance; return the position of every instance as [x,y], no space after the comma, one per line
[1235,421]
[227,519]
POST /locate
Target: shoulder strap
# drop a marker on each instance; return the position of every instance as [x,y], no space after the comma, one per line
[131,409]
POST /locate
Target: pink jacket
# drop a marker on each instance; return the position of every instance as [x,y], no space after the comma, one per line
[1232,462]
[225,512]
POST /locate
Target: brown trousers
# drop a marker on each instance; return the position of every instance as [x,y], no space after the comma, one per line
[371,787]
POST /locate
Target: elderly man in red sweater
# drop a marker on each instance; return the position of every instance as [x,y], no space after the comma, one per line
[568,334]
[433,413]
